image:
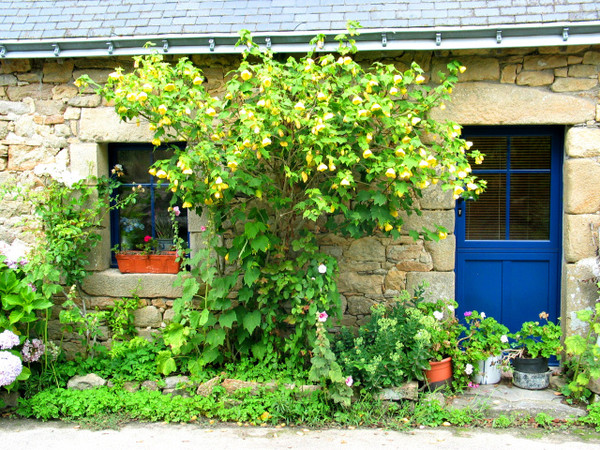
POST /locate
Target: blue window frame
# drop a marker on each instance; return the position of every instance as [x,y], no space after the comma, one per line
[149,215]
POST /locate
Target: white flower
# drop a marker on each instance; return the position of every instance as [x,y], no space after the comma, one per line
[438,315]
[349,381]
[469,369]
[451,308]
[10,368]
[15,251]
[482,315]
[504,339]
[8,339]
[322,268]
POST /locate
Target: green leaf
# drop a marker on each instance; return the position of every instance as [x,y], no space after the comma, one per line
[251,321]
[216,337]
[165,364]
[258,350]
[251,275]
[175,336]
[204,315]
[227,318]
[261,243]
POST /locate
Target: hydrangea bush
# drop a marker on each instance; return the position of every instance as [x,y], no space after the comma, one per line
[293,147]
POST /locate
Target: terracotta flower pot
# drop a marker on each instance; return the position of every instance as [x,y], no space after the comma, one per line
[136,262]
[440,373]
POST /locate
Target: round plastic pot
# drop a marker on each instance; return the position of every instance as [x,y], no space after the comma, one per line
[530,365]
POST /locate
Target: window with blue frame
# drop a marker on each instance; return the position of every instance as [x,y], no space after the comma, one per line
[149,216]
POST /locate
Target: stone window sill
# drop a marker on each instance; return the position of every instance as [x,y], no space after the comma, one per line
[112,283]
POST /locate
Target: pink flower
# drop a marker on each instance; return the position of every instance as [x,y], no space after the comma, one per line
[322,317]
[176,210]
[468,313]
[147,238]
[349,381]
[472,385]
[202,228]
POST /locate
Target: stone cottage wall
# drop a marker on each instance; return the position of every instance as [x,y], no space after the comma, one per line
[43,118]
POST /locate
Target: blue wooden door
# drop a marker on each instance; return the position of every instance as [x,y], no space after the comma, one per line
[508,242]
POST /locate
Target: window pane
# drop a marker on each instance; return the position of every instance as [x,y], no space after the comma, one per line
[530,152]
[135,165]
[494,149]
[530,206]
[135,220]
[486,217]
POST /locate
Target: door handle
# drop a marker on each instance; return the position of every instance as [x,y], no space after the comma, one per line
[460,206]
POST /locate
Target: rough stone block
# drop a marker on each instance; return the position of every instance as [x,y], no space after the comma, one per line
[64,92]
[535,78]
[583,71]
[35,91]
[428,219]
[582,186]
[366,249]
[478,69]
[88,381]
[8,80]
[583,142]
[481,103]
[26,157]
[408,391]
[591,57]
[99,76]
[509,74]
[85,101]
[573,84]
[365,284]
[395,280]
[149,316]
[115,284]
[58,72]
[440,284]
[104,125]
[581,236]
[539,62]
[442,253]
[16,65]
[580,292]
[16,107]
[435,198]
[359,305]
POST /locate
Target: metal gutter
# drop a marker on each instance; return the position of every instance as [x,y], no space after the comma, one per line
[439,38]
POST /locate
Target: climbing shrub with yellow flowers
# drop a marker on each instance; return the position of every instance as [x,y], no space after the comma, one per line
[293,147]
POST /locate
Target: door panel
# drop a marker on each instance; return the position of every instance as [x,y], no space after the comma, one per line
[508,241]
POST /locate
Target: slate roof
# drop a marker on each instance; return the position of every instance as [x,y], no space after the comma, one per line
[65,19]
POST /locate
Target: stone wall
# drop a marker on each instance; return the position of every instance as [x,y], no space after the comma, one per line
[43,118]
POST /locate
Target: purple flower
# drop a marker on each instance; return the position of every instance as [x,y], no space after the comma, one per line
[10,368]
[32,286]
[32,350]
[468,313]
[322,317]
[8,339]
[349,381]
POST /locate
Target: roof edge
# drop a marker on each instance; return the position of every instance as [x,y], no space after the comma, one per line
[383,39]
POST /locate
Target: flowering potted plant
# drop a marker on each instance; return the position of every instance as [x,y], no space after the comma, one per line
[484,343]
[532,345]
[444,330]
[151,257]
